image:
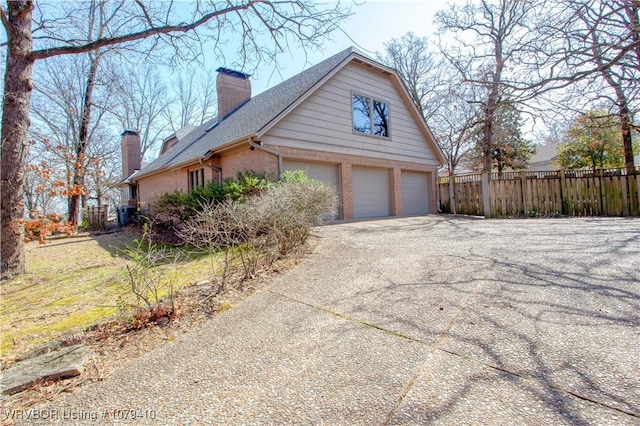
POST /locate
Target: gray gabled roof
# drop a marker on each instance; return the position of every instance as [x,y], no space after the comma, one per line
[248,119]
[545,153]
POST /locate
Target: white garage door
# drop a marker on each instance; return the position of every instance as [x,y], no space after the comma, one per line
[371,192]
[415,193]
[327,173]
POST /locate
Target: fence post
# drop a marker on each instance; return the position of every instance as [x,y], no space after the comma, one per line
[452,194]
[104,216]
[523,185]
[564,205]
[486,194]
[634,193]
[604,208]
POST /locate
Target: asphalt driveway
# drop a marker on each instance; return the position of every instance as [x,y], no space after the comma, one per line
[420,320]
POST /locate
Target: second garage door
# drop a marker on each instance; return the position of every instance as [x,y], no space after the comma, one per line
[371,192]
[415,193]
[327,173]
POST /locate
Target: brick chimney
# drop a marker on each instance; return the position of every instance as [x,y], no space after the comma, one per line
[130,144]
[234,88]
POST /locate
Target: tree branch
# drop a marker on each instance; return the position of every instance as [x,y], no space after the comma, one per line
[165,29]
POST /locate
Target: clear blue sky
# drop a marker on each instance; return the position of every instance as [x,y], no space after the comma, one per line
[373,23]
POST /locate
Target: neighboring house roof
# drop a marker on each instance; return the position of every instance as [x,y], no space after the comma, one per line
[256,115]
[545,153]
[545,157]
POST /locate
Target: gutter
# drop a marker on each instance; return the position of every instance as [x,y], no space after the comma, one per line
[258,145]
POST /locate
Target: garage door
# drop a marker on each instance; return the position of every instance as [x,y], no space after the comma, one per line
[415,193]
[327,173]
[371,192]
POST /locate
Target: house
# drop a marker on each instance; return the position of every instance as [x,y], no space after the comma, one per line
[347,121]
[545,158]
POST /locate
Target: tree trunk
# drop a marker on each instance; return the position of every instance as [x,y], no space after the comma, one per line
[624,116]
[15,122]
[491,106]
[487,134]
[624,113]
[80,161]
[633,13]
[627,140]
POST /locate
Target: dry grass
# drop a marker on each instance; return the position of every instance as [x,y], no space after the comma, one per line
[71,284]
[71,290]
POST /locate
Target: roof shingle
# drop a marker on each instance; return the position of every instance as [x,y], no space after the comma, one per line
[250,118]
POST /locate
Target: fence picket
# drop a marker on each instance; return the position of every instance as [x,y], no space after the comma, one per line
[96,216]
[610,192]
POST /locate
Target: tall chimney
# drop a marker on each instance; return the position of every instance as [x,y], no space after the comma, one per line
[130,144]
[234,88]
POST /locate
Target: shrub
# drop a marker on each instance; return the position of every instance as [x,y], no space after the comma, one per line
[42,227]
[293,208]
[245,185]
[214,229]
[173,207]
[241,236]
[295,176]
[151,275]
[178,207]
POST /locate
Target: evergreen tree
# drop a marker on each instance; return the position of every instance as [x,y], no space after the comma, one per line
[509,148]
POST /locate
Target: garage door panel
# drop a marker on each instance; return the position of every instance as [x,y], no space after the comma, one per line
[415,193]
[371,192]
[324,172]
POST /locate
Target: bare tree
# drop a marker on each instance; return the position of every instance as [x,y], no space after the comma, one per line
[143,104]
[195,99]
[283,21]
[103,169]
[454,126]
[437,92]
[69,109]
[599,28]
[488,38]
[421,71]
[586,54]
[39,199]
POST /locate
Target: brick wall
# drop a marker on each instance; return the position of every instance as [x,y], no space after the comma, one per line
[244,159]
[347,161]
[151,187]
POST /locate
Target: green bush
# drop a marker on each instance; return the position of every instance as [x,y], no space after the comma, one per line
[295,176]
[245,185]
[177,207]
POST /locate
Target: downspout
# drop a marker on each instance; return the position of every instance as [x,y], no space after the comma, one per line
[258,145]
[212,167]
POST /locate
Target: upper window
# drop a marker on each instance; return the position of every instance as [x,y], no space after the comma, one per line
[196,178]
[370,116]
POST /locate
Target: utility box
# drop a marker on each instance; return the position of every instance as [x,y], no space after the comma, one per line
[126,214]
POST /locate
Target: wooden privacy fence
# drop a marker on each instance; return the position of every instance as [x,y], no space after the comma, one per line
[97,216]
[605,192]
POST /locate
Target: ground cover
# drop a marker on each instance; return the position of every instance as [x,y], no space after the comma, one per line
[71,284]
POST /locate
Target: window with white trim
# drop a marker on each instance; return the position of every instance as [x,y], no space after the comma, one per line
[370,116]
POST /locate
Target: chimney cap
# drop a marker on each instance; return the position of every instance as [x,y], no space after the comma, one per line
[233,73]
[129,132]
